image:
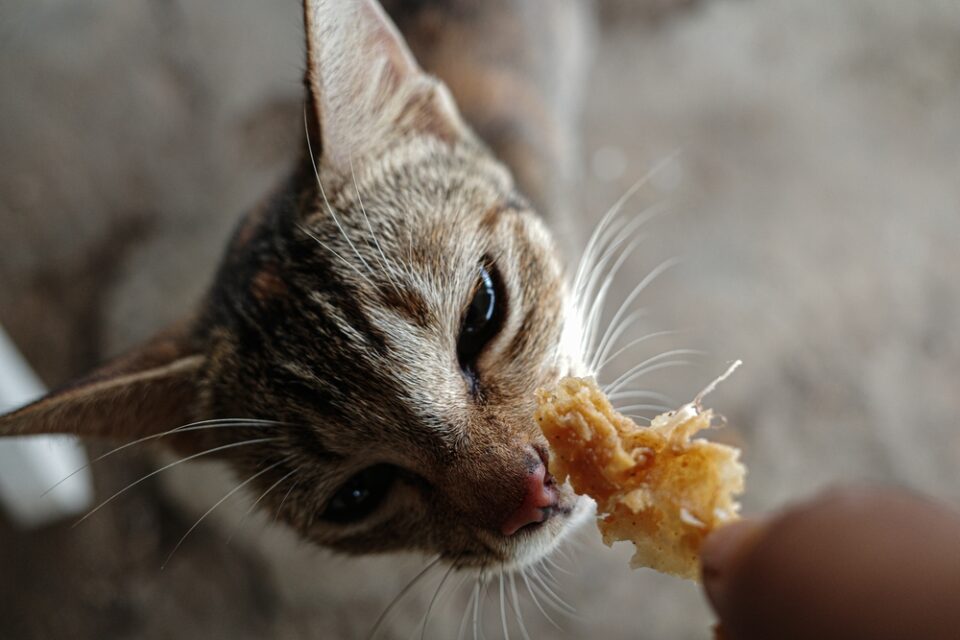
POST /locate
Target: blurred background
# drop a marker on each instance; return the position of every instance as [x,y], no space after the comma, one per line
[815,199]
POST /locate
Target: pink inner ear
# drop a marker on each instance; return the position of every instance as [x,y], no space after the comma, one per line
[366,87]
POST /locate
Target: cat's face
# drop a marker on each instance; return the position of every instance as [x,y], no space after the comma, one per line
[398,328]
[390,311]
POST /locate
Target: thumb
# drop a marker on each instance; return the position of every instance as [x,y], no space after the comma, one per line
[853,563]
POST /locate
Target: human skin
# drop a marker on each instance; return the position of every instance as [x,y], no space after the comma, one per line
[850,563]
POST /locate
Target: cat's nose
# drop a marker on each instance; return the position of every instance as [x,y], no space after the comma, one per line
[539,496]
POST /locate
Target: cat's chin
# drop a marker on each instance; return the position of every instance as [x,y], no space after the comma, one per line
[535,542]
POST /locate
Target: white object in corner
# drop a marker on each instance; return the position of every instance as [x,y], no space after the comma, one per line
[31,465]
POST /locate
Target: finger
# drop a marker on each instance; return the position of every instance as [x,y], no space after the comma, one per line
[855,563]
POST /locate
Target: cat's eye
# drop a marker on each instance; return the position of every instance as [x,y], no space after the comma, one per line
[481,321]
[361,494]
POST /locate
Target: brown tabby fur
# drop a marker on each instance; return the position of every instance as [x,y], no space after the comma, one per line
[336,310]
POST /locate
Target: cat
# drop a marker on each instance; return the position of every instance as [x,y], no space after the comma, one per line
[367,355]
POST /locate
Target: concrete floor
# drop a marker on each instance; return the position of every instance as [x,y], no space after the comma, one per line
[815,199]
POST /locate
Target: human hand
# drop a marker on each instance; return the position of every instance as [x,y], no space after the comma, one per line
[851,563]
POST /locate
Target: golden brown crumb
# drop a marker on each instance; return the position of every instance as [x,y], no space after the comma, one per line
[654,486]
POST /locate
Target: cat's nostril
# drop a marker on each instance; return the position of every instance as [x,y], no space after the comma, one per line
[539,496]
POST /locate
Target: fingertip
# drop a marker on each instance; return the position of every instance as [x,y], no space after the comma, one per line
[721,554]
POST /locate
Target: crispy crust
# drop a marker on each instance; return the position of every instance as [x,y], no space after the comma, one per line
[654,486]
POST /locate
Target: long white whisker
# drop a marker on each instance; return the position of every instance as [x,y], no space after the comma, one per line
[596,308]
[663,266]
[282,502]
[254,505]
[551,597]
[476,605]
[516,607]
[644,407]
[612,212]
[556,566]
[536,601]
[323,193]
[342,259]
[383,615]
[193,426]
[613,237]
[218,503]
[656,367]
[641,394]
[384,263]
[643,369]
[614,386]
[650,336]
[622,327]
[466,610]
[546,573]
[426,616]
[503,610]
[625,234]
[168,466]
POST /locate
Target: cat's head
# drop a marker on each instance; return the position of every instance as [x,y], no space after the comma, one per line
[387,314]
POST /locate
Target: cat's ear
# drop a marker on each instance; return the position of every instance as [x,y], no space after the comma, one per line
[365,87]
[144,392]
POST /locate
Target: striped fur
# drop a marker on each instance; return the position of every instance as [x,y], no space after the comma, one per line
[336,313]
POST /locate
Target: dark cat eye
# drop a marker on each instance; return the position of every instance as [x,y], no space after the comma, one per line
[481,321]
[361,494]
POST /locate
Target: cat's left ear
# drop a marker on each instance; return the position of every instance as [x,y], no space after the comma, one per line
[149,390]
[365,87]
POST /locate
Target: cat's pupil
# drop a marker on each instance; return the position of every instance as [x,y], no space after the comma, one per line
[361,494]
[480,323]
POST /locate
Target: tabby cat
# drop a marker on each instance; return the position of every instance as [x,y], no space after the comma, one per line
[367,354]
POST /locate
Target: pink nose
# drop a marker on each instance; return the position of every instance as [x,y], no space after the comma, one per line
[540,495]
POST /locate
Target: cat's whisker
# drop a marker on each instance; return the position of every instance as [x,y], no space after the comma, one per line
[639,417]
[587,261]
[657,367]
[638,370]
[632,296]
[546,573]
[623,327]
[624,234]
[382,259]
[426,616]
[516,606]
[476,604]
[611,213]
[614,236]
[644,407]
[536,601]
[556,566]
[323,193]
[217,504]
[256,502]
[194,456]
[276,515]
[503,610]
[467,609]
[406,589]
[193,426]
[596,308]
[650,336]
[589,298]
[639,394]
[342,259]
[551,597]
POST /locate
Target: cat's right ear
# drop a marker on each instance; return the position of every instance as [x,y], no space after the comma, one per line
[365,87]
[145,392]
